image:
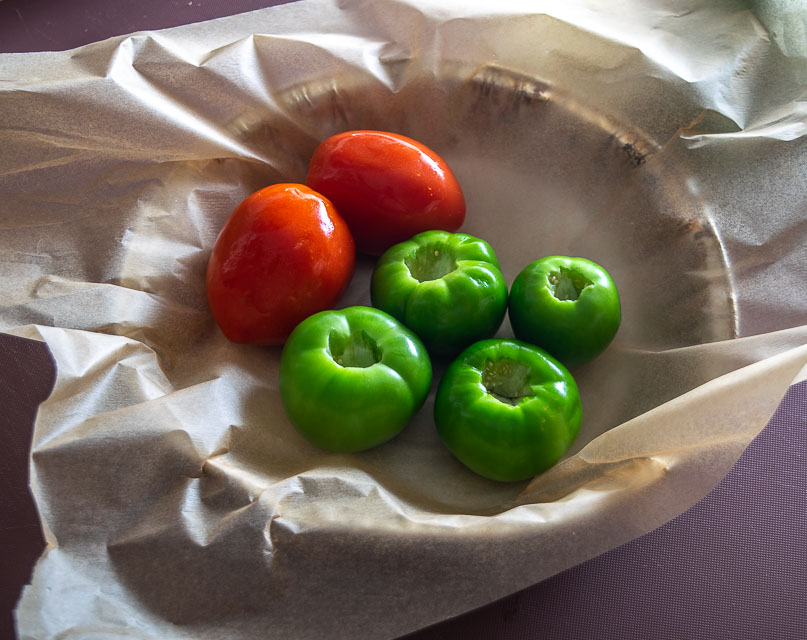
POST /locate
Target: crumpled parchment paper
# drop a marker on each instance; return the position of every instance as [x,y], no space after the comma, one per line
[666,142]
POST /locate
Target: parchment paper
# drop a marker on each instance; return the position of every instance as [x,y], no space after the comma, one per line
[664,139]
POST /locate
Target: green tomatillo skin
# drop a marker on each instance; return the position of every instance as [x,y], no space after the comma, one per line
[507,409]
[568,306]
[352,379]
[446,287]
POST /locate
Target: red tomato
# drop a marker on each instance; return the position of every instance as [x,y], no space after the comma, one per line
[387,187]
[284,254]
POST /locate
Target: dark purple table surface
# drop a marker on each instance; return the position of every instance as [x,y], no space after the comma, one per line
[734,566]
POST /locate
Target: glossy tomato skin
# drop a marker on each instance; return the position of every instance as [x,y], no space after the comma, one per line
[388,187]
[284,254]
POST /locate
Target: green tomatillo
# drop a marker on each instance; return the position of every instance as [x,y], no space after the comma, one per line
[351,379]
[446,287]
[507,409]
[568,306]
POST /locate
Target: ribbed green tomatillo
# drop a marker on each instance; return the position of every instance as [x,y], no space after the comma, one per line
[507,409]
[351,379]
[446,287]
[568,306]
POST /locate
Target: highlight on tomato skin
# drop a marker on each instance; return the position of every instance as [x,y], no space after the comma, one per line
[388,187]
[284,254]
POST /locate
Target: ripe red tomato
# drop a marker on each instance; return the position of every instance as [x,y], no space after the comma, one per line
[388,187]
[284,254]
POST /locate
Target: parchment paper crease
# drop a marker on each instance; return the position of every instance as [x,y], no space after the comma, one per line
[665,140]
